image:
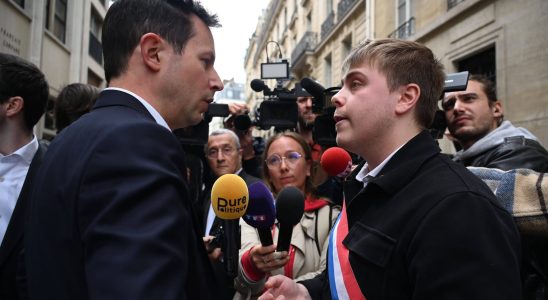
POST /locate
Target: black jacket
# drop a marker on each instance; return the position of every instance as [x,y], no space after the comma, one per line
[426,228]
[518,152]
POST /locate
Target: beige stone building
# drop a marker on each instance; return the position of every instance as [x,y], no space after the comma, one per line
[314,36]
[62,37]
[504,39]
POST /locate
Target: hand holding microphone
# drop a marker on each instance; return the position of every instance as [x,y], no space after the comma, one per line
[261,211]
[230,199]
[289,211]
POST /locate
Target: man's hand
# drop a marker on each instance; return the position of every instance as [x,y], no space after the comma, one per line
[213,252]
[280,287]
[237,108]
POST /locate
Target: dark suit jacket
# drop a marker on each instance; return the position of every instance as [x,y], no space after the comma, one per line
[110,213]
[11,264]
[427,228]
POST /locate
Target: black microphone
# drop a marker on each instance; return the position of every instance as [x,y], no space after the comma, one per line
[313,88]
[258,86]
[289,211]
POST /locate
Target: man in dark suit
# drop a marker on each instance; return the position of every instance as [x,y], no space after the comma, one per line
[110,213]
[223,153]
[23,97]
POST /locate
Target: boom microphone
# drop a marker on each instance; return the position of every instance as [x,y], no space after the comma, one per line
[261,211]
[229,199]
[336,161]
[313,88]
[258,86]
[290,209]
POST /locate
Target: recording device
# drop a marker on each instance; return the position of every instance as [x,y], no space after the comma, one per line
[336,162]
[261,211]
[323,132]
[198,134]
[289,211]
[278,110]
[230,199]
[453,82]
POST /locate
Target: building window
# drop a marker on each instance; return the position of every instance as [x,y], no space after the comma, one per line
[327,70]
[21,3]
[483,63]
[309,21]
[328,6]
[404,11]
[95,48]
[56,20]
[346,46]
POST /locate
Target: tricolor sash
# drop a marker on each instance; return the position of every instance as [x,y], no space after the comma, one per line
[342,281]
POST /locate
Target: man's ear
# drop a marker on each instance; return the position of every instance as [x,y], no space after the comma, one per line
[409,95]
[151,46]
[14,105]
[497,110]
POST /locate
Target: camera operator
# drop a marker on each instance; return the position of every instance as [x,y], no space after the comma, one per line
[306,120]
[475,119]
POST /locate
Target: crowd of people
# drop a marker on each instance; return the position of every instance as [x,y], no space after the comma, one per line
[116,208]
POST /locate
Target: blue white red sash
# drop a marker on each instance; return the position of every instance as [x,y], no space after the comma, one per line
[342,281]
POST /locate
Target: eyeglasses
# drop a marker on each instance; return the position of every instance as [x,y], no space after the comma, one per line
[214,152]
[275,160]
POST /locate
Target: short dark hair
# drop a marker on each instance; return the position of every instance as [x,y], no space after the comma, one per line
[487,85]
[404,62]
[19,77]
[127,21]
[73,101]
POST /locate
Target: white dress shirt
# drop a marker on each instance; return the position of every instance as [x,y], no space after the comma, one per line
[13,171]
[155,114]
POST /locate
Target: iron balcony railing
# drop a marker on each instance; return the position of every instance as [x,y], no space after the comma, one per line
[95,49]
[328,24]
[344,7]
[453,3]
[307,43]
[405,30]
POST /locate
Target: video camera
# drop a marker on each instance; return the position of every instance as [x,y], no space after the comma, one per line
[453,82]
[279,109]
[198,134]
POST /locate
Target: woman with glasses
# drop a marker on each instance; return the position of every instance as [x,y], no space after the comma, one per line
[287,162]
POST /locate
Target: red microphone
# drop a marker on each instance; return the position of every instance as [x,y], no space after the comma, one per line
[336,162]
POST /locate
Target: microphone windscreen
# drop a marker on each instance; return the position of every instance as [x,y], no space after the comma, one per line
[336,161]
[315,89]
[289,205]
[229,197]
[258,85]
[261,211]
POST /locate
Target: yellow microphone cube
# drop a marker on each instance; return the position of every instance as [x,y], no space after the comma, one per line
[229,197]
